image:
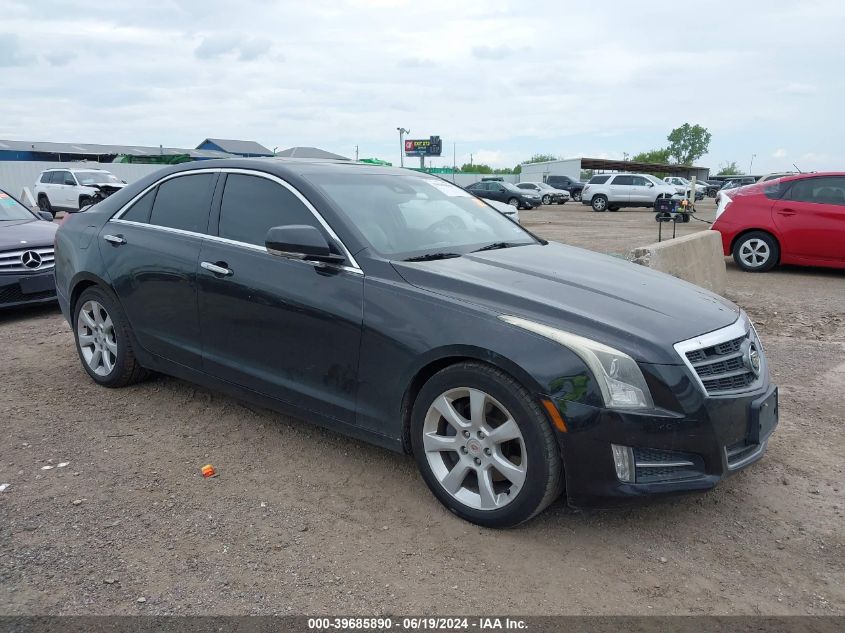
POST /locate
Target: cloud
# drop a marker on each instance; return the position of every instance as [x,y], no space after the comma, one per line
[779,153]
[11,53]
[494,52]
[60,58]
[799,89]
[247,49]
[415,62]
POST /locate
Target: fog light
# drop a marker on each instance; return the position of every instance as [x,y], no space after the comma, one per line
[623,460]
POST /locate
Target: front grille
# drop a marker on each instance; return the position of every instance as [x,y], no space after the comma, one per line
[25,260]
[13,294]
[721,365]
[654,465]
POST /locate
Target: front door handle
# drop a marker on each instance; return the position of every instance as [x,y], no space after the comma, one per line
[786,212]
[117,240]
[217,269]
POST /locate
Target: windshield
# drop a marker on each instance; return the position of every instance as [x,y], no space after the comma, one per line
[653,179]
[11,209]
[96,177]
[544,185]
[405,216]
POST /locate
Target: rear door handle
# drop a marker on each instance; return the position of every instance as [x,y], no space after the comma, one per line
[115,239]
[216,269]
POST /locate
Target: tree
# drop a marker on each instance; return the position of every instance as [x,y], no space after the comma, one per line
[652,156]
[541,158]
[688,143]
[476,169]
[729,169]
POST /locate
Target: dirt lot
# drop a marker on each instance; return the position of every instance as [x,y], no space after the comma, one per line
[305,521]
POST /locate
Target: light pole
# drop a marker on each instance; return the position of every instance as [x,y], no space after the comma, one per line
[402,131]
[753,156]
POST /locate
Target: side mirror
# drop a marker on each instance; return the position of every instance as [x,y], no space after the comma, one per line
[45,215]
[69,181]
[650,184]
[299,241]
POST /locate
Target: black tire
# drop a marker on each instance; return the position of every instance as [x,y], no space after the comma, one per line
[126,370]
[84,201]
[44,204]
[547,199]
[747,245]
[599,203]
[576,196]
[514,203]
[544,472]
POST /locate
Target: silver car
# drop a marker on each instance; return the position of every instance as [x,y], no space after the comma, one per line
[547,193]
[611,192]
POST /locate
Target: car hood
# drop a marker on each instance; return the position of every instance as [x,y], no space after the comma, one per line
[109,185]
[630,307]
[25,233]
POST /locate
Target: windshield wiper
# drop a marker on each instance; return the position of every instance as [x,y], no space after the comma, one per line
[428,257]
[495,246]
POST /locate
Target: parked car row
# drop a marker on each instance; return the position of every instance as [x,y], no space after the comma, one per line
[506,192]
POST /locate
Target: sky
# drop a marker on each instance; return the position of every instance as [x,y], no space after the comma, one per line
[499,80]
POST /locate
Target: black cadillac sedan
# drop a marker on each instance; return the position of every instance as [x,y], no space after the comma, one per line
[396,307]
[26,255]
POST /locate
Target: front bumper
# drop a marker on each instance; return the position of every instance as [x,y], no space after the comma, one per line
[714,437]
[19,289]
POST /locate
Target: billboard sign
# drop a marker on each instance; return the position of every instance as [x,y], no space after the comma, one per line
[431,146]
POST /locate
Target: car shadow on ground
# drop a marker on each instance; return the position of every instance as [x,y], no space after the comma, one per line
[23,313]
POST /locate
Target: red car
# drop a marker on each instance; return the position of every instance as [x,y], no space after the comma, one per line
[792,220]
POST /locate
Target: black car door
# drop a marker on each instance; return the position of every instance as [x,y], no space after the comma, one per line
[150,252]
[286,328]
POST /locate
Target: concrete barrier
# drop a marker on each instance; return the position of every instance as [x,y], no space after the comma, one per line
[697,258]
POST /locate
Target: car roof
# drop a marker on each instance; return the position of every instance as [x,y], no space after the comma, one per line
[815,174]
[75,169]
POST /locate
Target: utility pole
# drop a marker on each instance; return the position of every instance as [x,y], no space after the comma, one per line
[753,156]
[402,132]
[356,153]
[454,161]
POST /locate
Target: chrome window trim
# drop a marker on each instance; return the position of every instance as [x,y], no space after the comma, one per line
[117,217]
[741,327]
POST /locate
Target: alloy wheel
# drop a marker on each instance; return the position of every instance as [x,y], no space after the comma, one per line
[475,448]
[95,333]
[754,253]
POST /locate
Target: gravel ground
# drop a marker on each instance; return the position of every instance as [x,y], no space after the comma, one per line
[304,521]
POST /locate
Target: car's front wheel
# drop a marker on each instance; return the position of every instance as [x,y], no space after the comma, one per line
[484,447]
[547,199]
[576,196]
[103,340]
[756,252]
[514,202]
[599,203]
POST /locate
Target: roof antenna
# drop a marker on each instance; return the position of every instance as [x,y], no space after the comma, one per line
[798,168]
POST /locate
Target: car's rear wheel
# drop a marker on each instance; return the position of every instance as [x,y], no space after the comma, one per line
[547,199]
[103,340]
[756,252]
[599,203]
[44,205]
[484,447]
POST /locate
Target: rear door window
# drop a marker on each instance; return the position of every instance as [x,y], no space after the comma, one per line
[623,180]
[140,211]
[819,191]
[183,203]
[599,180]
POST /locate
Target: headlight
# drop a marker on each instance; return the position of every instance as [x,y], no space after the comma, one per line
[618,375]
